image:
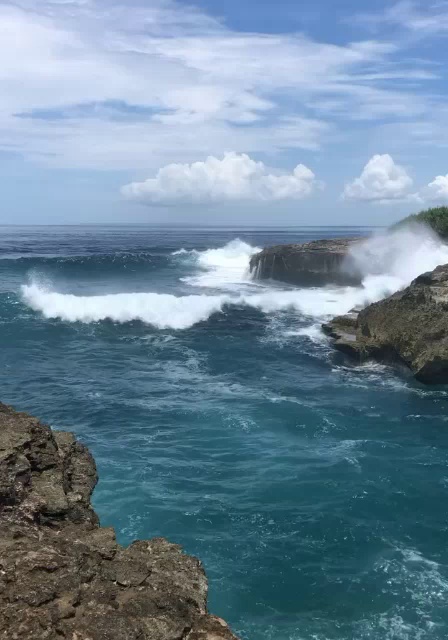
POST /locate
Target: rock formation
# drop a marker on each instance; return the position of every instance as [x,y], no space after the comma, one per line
[410,326]
[315,263]
[64,576]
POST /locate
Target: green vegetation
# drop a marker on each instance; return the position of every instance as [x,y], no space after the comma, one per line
[436,218]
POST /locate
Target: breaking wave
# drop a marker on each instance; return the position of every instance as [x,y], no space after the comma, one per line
[181,312]
[222,267]
[160,310]
[387,262]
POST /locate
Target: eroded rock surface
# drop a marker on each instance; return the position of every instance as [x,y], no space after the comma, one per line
[62,576]
[410,326]
[314,264]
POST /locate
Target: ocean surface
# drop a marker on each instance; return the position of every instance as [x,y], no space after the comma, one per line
[315,492]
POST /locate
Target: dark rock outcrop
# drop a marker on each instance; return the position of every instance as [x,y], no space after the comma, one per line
[410,326]
[315,264]
[64,576]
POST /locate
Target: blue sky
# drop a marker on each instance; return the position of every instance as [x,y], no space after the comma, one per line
[251,112]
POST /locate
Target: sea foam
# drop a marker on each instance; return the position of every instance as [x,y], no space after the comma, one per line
[159,310]
[223,267]
[180,312]
[388,262]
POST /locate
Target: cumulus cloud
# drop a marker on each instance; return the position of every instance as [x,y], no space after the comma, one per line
[235,177]
[437,190]
[382,180]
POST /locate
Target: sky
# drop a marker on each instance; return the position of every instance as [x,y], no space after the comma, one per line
[310,112]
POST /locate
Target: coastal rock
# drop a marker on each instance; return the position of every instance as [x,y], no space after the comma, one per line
[410,326]
[316,263]
[64,576]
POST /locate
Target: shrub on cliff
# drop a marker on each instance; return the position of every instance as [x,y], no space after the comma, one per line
[436,218]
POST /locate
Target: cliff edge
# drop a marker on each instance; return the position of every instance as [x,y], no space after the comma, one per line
[312,264]
[410,326]
[62,575]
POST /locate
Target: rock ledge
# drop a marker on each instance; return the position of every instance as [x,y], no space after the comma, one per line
[314,264]
[410,327]
[62,576]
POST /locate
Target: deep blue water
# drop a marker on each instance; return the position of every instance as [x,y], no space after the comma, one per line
[313,491]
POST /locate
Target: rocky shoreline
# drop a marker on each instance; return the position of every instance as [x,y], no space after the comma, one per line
[62,575]
[409,327]
[312,264]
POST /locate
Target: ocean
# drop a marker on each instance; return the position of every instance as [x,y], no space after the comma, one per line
[314,491]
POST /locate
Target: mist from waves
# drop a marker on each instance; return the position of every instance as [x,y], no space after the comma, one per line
[219,278]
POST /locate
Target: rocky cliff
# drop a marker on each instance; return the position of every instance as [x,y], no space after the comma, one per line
[312,264]
[409,327]
[64,576]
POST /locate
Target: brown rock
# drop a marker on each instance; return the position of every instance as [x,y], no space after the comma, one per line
[316,263]
[410,326]
[62,575]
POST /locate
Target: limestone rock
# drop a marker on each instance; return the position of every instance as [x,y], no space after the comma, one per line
[64,576]
[410,326]
[316,263]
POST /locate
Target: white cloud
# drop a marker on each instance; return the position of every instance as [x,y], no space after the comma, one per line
[235,177]
[203,87]
[384,181]
[380,181]
[437,190]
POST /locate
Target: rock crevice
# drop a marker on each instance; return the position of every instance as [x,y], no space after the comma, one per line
[63,576]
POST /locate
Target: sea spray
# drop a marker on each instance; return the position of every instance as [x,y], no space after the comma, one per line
[222,267]
[387,261]
[390,260]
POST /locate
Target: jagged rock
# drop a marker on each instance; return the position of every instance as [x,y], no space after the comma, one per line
[316,263]
[62,576]
[410,326]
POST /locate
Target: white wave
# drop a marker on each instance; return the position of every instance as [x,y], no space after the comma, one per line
[166,311]
[389,263]
[163,311]
[228,265]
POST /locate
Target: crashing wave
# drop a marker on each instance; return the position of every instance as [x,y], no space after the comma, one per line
[389,263]
[222,267]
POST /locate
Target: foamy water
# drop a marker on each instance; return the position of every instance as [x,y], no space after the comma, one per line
[389,262]
[226,267]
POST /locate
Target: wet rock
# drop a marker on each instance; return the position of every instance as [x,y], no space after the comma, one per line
[64,576]
[409,327]
[314,264]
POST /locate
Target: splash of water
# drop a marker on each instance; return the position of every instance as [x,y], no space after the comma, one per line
[222,267]
[389,261]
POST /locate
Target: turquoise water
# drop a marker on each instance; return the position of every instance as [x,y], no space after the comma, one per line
[313,491]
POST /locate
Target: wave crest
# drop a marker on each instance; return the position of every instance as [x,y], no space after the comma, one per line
[388,262]
[163,311]
[167,311]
